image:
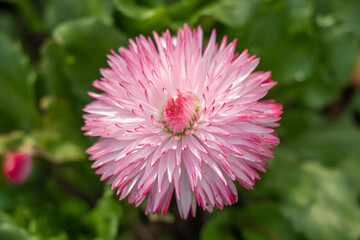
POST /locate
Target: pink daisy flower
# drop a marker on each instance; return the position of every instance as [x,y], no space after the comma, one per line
[174,117]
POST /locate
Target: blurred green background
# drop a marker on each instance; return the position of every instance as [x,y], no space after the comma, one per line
[51,51]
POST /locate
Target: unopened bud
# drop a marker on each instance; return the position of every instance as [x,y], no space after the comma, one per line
[17,167]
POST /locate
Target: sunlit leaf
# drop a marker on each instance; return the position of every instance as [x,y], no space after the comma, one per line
[139,18]
[12,232]
[322,205]
[232,13]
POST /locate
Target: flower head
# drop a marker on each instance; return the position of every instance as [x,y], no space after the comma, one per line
[17,167]
[174,117]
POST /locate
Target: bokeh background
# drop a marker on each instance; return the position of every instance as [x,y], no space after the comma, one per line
[51,51]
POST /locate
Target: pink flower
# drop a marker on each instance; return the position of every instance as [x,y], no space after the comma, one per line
[17,167]
[177,117]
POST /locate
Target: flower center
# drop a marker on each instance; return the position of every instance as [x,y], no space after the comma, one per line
[181,113]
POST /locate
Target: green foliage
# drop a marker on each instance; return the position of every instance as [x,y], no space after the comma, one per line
[106,217]
[11,232]
[59,11]
[82,55]
[52,50]
[232,13]
[218,228]
[17,97]
[322,205]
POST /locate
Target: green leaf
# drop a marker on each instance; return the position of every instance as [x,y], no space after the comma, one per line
[86,43]
[333,68]
[17,96]
[63,121]
[291,119]
[60,11]
[340,50]
[311,61]
[232,13]
[349,14]
[263,220]
[7,23]
[329,142]
[294,62]
[12,232]
[139,19]
[299,16]
[178,8]
[27,12]
[67,151]
[106,216]
[81,178]
[62,118]
[57,148]
[351,166]
[322,205]
[60,236]
[343,12]
[60,219]
[13,140]
[52,58]
[218,227]
[5,218]
[130,9]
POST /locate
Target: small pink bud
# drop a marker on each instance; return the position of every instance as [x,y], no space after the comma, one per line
[17,167]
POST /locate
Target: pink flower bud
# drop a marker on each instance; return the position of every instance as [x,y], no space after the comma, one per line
[17,167]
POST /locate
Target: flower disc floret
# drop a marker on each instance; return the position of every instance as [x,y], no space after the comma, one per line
[180,114]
